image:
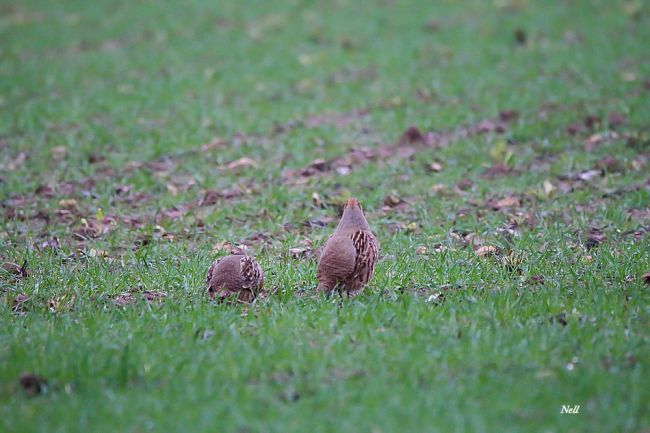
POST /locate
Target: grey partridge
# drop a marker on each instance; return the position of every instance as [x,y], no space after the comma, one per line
[236,275]
[348,259]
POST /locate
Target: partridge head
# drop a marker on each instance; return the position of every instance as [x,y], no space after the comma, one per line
[235,276]
[348,259]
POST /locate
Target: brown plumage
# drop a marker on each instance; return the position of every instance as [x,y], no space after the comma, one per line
[348,259]
[232,275]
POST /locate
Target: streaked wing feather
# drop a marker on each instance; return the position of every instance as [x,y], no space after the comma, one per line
[367,252]
[252,275]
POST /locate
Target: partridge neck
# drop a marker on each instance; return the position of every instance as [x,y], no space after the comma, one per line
[353,219]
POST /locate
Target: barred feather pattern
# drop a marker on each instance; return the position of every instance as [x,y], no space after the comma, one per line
[252,275]
[234,275]
[208,276]
[367,252]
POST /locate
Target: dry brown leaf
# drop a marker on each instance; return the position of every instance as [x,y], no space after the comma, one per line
[393,200]
[487,251]
[615,120]
[124,299]
[69,204]
[505,202]
[16,269]
[300,252]
[594,238]
[436,298]
[216,143]
[316,200]
[19,303]
[153,295]
[59,152]
[244,162]
[221,246]
[464,184]
[17,161]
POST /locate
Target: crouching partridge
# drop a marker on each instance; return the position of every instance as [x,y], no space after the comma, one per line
[348,259]
[235,275]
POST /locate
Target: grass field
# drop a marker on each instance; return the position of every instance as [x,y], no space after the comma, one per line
[500,150]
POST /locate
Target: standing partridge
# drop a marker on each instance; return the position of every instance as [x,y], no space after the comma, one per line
[348,259]
[232,275]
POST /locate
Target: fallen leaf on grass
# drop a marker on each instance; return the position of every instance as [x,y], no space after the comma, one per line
[616,120]
[593,141]
[349,75]
[497,170]
[465,238]
[130,298]
[122,189]
[436,298]
[609,164]
[153,295]
[255,238]
[52,243]
[44,191]
[68,204]
[503,203]
[93,228]
[319,222]
[221,246]
[587,175]
[464,184]
[594,238]
[59,152]
[487,251]
[435,167]
[124,299]
[316,200]
[173,213]
[393,200]
[244,162]
[239,249]
[171,188]
[16,161]
[337,120]
[512,262]
[215,143]
[159,168]
[412,227]
[490,125]
[548,187]
[212,197]
[16,269]
[19,304]
[301,252]
[508,115]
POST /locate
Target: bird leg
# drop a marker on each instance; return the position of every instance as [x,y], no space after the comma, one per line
[339,288]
